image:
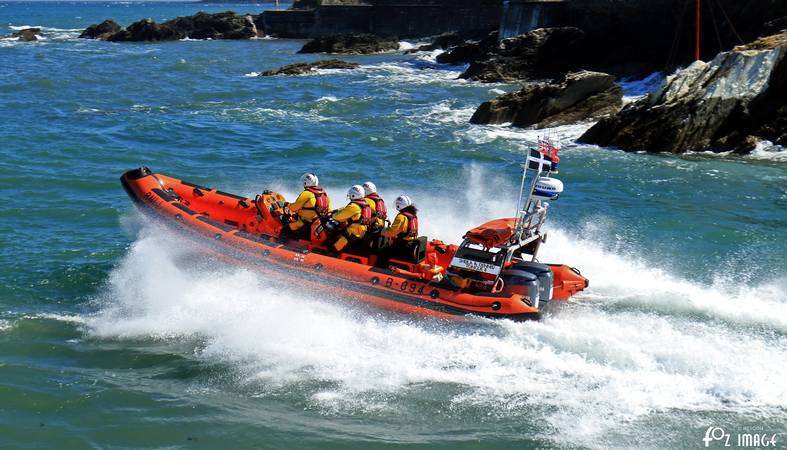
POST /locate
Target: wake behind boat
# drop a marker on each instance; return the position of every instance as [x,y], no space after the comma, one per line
[493,273]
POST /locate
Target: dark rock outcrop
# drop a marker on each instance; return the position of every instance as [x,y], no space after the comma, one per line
[578,96]
[302,68]
[202,25]
[27,35]
[634,38]
[349,43]
[775,25]
[146,30]
[226,25]
[101,31]
[441,42]
[729,103]
[539,54]
[470,51]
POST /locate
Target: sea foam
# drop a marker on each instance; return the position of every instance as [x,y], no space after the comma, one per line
[639,341]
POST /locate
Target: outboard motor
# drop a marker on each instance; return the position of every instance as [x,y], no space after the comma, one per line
[547,188]
[522,283]
[544,275]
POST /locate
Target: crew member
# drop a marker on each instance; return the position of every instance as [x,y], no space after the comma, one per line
[404,229]
[313,203]
[377,203]
[356,218]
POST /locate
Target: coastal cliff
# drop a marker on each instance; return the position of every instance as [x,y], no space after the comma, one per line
[729,103]
[633,38]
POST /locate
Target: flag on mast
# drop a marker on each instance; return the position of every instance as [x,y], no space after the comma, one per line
[545,147]
[539,161]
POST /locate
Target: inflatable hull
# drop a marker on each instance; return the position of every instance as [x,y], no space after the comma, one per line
[232,226]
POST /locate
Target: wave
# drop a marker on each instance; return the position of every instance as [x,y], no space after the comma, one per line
[640,341]
[767,151]
[43,28]
[562,135]
[47,33]
[410,73]
[262,114]
[764,151]
[641,87]
[444,112]
[404,46]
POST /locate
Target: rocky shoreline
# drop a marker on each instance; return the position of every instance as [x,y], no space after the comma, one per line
[304,68]
[730,103]
[578,96]
[555,91]
[25,35]
[202,25]
[354,44]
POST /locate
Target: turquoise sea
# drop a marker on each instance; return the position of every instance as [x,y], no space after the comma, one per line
[114,335]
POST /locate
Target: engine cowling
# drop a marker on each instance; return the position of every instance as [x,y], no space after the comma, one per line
[544,275]
[523,283]
[547,188]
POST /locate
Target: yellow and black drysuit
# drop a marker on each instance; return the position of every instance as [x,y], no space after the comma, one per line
[404,233]
[404,227]
[357,216]
[378,209]
[310,205]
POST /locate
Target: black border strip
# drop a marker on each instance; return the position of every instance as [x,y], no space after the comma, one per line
[227,194]
[164,195]
[215,224]
[250,237]
[203,188]
[184,208]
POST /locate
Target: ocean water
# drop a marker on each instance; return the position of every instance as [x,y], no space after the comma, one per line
[113,334]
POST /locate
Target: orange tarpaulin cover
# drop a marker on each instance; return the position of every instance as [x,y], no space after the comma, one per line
[493,233]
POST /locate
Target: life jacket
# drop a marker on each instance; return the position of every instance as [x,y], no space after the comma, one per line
[379,205]
[366,213]
[320,201]
[412,226]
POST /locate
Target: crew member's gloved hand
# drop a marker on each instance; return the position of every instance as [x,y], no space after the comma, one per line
[332,226]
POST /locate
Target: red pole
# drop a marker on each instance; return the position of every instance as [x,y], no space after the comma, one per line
[697,34]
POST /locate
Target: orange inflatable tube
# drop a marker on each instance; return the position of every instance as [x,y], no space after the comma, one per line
[246,230]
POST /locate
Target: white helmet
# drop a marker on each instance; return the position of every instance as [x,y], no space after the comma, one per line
[309,180]
[355,193]
[403,202]
[369,188]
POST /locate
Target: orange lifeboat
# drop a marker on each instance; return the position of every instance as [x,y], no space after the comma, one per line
[434,282]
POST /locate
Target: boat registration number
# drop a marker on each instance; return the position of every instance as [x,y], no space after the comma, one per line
[476,266]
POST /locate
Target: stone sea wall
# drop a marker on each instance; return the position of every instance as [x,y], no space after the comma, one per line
[403,18]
